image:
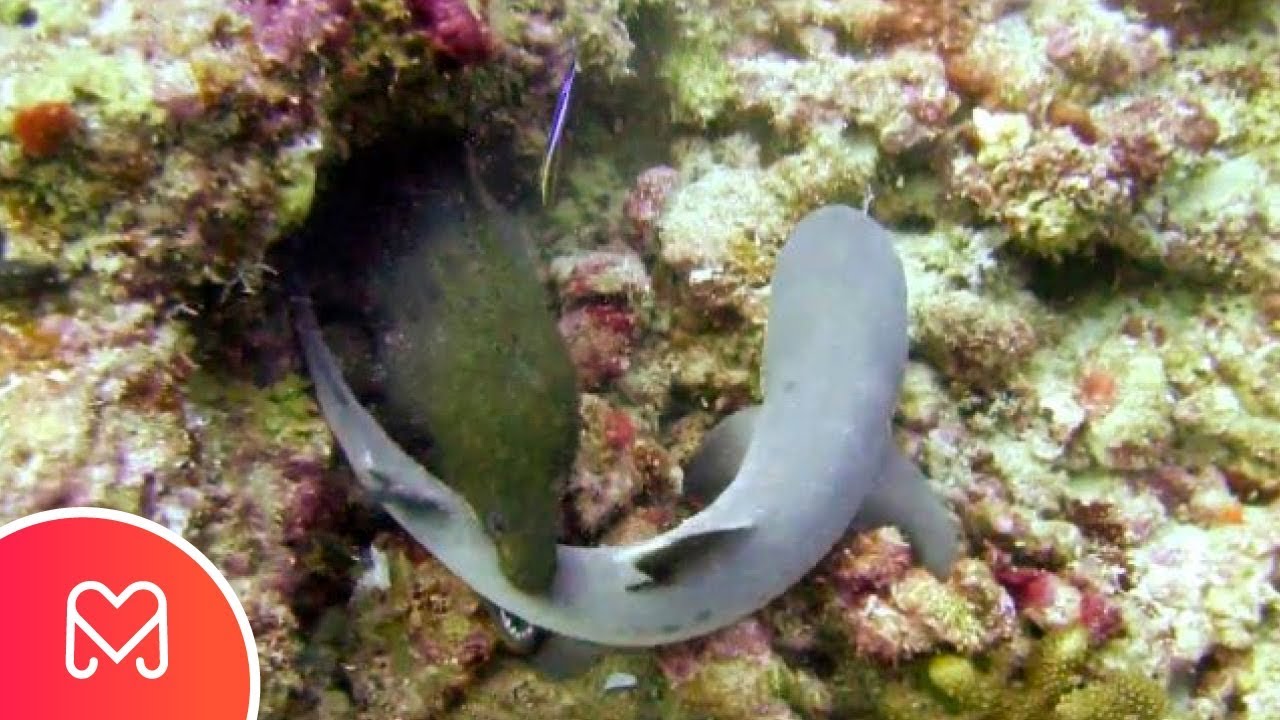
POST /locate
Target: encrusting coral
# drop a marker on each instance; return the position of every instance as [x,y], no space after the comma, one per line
[1053,683]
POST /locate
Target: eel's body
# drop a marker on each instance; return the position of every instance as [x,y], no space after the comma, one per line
[834,356]
[473,360]
[430,298]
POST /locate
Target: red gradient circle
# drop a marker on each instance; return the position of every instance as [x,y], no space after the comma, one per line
[108,615]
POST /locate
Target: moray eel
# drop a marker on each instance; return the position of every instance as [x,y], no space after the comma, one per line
[835,352]
[473,359]
[432,302]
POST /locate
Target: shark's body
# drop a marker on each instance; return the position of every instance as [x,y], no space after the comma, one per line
[834,356]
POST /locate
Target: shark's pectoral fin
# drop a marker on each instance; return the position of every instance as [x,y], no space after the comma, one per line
[663,563]
[389,489]
[904,500]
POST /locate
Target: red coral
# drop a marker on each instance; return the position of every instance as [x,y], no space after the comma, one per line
[454,31]
[616,319]
[1100,616]
[600,338]
[42,128]
[619,430]
[617,275]
[1030,587]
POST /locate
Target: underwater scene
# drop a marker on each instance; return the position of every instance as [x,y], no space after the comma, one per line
[666,359]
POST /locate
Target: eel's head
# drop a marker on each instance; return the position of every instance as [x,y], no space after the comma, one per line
[526,548]
[515,456]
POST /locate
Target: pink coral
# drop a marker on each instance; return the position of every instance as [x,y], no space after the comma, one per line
[617,461]
[870,562]
[315,503]
[748,639]
[455,33]
[1030,587]
[612,274]
[882,632]
[903,96]
[600,342]
[1112,56]
[1100,615]
[286,28]
[1043,597]
[646,203]
[600,291]
[619,430]
[1050,600]
[910,611]
[1145,132]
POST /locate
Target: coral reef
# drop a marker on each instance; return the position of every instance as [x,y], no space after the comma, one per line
[417,635]
[735,673]
[618,462]
[889,611]
[601,293]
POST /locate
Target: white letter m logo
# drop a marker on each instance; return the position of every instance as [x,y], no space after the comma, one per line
[158,622]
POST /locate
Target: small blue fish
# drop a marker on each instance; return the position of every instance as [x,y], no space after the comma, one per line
[557,123]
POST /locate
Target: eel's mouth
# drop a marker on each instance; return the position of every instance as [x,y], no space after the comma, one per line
[517,635]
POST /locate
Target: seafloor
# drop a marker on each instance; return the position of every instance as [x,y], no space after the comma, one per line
[1086,195]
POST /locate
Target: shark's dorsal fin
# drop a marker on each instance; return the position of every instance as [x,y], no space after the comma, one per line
[715,465]
[663,562]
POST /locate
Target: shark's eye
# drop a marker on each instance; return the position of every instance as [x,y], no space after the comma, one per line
[496,523]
